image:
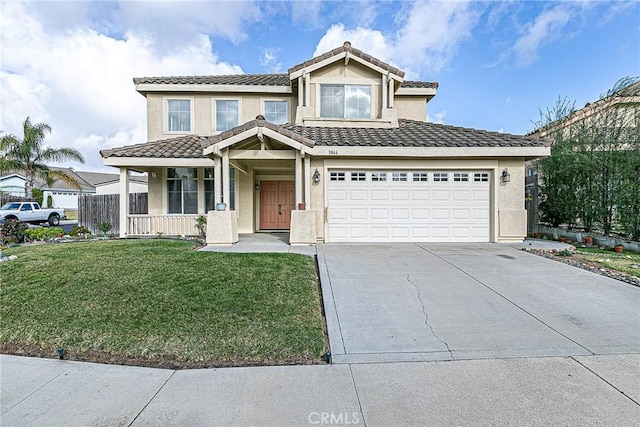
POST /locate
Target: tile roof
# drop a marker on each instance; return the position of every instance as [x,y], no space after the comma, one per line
[417,84]
[235,79]
[353,51]
[253,124]
[248,80]
[411,133]
[189,147]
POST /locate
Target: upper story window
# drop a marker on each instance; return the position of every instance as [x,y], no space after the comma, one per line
[276,112]
[178,115]
[345,101]
[227,114]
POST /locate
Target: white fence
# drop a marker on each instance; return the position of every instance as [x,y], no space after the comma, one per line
[167,225]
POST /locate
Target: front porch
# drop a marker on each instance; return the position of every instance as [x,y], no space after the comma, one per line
[263,243]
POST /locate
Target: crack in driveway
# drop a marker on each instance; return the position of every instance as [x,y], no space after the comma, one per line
[426,317]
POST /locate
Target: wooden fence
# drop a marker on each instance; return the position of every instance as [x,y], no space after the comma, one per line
[96,209]
[8,198]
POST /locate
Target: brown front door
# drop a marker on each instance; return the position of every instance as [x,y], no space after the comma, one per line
[276,203]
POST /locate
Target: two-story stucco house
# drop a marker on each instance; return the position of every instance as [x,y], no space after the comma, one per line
[336,150]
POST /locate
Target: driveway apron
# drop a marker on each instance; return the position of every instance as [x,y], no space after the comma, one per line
[420,302]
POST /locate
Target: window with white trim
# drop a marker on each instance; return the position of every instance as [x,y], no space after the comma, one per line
[481,177]
[345,101]
[358,176]
[399,176]
[337,176]
[276,112]
[460,177]
[178,115]
[440,177]
[227,114]
[420,176]
[182,190]
[209,190]
[378,176]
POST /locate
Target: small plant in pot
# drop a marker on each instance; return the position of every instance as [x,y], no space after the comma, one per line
[619,247]
[588,240]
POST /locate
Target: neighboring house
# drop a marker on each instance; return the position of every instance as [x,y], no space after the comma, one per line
[137,184]
[62,195]
[336,150]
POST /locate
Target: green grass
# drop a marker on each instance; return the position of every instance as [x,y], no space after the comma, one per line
[616,261]
[160,301]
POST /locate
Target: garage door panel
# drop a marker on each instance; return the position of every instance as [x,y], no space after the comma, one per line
[358,195]
[427,210]
[379,195]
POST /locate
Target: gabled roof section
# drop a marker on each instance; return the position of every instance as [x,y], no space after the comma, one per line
[258,128]
[411,133]
[340,53]
[184,147]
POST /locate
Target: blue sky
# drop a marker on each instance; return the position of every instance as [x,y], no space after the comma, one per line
[498,63]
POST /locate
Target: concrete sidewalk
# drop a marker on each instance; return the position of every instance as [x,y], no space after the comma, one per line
[588,390]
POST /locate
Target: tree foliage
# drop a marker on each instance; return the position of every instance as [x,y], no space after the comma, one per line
[30,155]
[593,175]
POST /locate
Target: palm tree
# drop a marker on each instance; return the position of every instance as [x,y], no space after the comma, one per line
[29,155]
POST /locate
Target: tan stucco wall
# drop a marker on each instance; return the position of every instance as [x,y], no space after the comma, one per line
[512,217]
[251,105]
[156,193]
[411,107]
[244,202]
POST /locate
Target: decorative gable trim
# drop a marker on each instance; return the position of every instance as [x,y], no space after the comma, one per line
[347,53]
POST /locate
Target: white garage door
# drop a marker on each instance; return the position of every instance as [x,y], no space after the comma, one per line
[408,206]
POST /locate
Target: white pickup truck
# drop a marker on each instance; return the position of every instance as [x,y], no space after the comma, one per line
[31,212]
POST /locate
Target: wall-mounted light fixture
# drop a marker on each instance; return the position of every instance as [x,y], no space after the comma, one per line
[154,175]
[256,185]
[316,177]
[505,177]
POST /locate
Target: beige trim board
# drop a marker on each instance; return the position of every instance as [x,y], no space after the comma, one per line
[165,87]
[432,152]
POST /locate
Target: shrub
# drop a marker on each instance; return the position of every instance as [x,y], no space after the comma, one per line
[38,195]
[42,233]
[105,227]
[12,231]
[79,230]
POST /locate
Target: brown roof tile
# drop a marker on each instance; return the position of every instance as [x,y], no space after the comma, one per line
[235,79]
[189,147]
[410,133]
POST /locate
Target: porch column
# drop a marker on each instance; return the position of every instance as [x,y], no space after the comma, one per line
[391,87]
[225,178]
[300,92]
[217,179]
[385,91]
[124,202]
[307,89]
[307,181]
[298,179]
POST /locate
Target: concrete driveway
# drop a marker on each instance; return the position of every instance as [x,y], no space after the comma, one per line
[422,302]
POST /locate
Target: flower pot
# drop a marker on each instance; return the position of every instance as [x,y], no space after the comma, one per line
[221,206]
[562,239]
[302,206]
[588,240]
[618,248]
[536,235]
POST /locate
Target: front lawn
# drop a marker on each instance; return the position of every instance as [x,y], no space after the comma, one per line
[160,303]
[627,261]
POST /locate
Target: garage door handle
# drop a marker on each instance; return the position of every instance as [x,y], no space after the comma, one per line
[279,209]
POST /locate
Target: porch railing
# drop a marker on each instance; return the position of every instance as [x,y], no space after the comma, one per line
[168,225]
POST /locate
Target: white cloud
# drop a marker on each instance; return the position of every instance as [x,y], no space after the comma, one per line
[80,81]
[437,117]
[430,35]
[546,28]
[269,60]
[307,13]
[371,41]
